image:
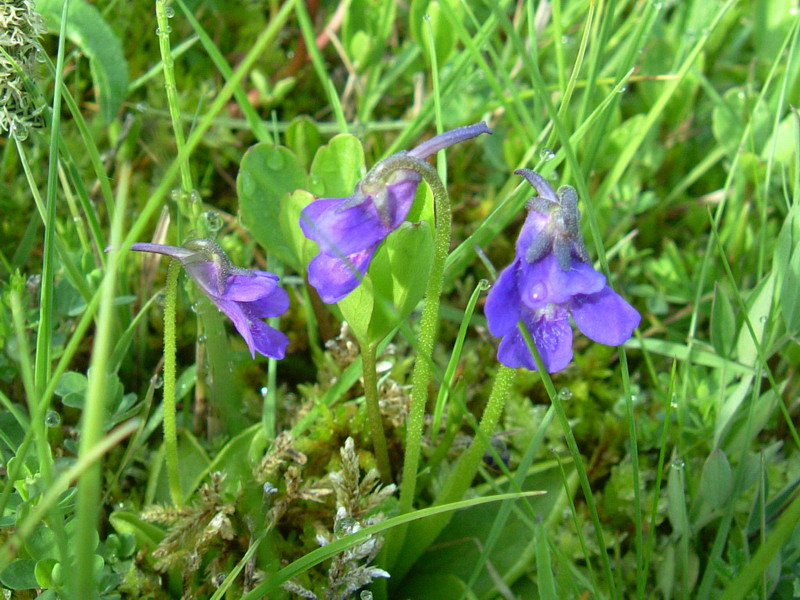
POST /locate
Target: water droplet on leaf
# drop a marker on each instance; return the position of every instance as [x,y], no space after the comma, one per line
[345,526]
[275,160]
[565,394]
[52,419]
[213,221]
[547,154]
[170,12]
[677,463]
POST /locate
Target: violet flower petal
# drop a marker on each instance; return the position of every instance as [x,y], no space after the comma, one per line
[553,338]
[272,305]
[247,288]
[502,306]
[605,317]
[543,282]
[401,198]
[342,232]
[335,277]
[266,339]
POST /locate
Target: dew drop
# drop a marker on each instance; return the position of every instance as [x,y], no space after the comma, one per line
[168,30]
[547,154]
[634,398]
[170,12]
[275,161]
[52,419]
[176,194]
[202,338]
[33,282]
[264,391]
[678,463]
[426,17]
[763,319]
[194,197]
[157,381]
[484,285]
[365,595]
[269,491]
[141,106]
[194,307]
[19,132]
[158,30]
[218,580]
[623,89]
[213,221]
[674,402]
[345,526]
[565,394]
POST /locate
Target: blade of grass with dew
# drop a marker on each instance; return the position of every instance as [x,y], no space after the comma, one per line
[576,457]
[88,497]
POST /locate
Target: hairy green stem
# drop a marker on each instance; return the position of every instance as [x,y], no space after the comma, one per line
[421,375]
[462,475]
[370,373]
[170,427]
[430,315]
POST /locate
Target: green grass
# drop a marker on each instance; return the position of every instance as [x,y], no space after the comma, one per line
[671,465]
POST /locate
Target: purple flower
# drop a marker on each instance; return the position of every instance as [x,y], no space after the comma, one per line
[550,279]
[246,296]
[349,230]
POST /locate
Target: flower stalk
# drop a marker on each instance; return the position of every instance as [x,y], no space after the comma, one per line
[421,375]
[370,373]
[170,425]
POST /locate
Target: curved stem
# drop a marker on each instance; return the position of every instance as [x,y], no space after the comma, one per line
[428,326]
[368,363]
[170,426]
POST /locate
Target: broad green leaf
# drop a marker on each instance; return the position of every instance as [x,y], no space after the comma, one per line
[366,26]
[357,309]
[723,323]
[302,136]
[399,274]
[267,174]
[740,108]
[44,572]
[759,303]
[71,382]
[19,575]
[42,543]
[87,29]
[289,219]
[337,167]
[790,294]
[676,498]
[716,481]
